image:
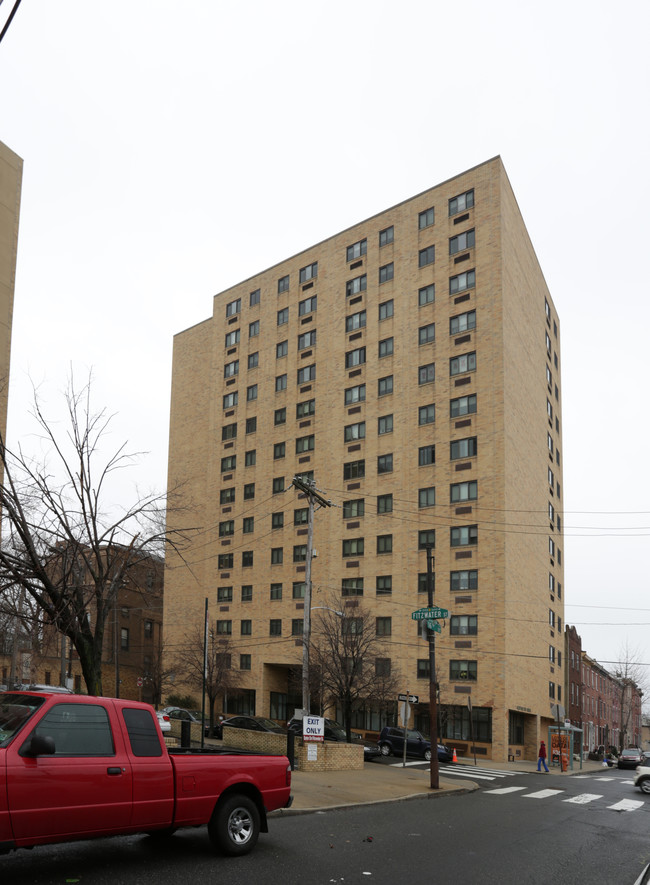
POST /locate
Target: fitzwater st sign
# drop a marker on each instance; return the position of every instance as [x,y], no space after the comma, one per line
[424,614]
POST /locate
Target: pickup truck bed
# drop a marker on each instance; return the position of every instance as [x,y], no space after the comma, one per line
[75,767]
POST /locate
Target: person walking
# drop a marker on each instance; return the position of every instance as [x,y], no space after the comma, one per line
[541,758]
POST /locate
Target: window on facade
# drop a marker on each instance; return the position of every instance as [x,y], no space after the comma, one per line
[386,273]
[233,307]
[355,394]
[385,347]
[354,431]
[248,525]
[426,295]
[227,496]
[354,470]
[461,242]
[352,547]
[384,585]
[463,322]
[229,431]
[307,373]
[283,316]
[246,592]
[462,281]
[461,202]
[277,555]
[464,491]
[251,393]
[300,553]
[426,256]
[249,491]
[232,338]
[280,383]
[224,594]
[459,670]
[385,386]
[463,625]
[426,455]
[254,329]
[280,416]
[301,516]
[355,357]
[231,369]
[308,305]
[305,444]
[250,458]
[281,349]
[426,497]
[427,414]
[462,405]
[466,362]
[385,463]
[283,284]
[384,424]
[297,626]
[426,538]
[356,250]
[384,503]
[228,463]
[245,628]
[226,528]
[386,236]
[353,509]
[275,627]
[352,587]
[277,520]
[244,662]
[309,272]
[254,298]
[382,667]
[358,284]
[464,535]
[276,591]
[386,310]
[355,321]
[224,628]
[427,334]
[279,450]
[298,590]
[384,544]
[225,560]
[423,668]
[427,373]
[230,400]
[464,580]
[463,448]
[426,218]
[384,626]
[307,339]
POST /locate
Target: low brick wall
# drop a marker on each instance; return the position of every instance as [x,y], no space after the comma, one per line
[255,741]
[330,756]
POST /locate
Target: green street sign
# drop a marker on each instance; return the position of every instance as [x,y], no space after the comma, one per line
[435,626]
[424,614]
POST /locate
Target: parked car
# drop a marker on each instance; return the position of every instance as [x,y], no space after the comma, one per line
[334,731]
[183,715]
[391,742]
[630,758]
[163,721]
[254,723]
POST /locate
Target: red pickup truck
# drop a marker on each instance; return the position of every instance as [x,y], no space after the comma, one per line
[76,767]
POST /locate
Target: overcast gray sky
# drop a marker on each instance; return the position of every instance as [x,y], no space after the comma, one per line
[172,149]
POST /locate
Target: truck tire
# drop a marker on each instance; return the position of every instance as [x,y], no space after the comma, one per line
[235,825]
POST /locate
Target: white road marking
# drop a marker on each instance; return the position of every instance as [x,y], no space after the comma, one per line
[542,794]
[469,768]
[626,805]
[583,798]
[606,780]
[503,790]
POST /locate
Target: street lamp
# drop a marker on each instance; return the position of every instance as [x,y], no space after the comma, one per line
[340,614]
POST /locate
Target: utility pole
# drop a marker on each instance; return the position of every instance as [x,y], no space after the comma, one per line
[308,488]
[433,700]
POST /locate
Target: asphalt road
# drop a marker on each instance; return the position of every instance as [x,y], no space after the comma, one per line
[517,828]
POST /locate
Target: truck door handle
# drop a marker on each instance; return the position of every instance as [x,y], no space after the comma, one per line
[114,771]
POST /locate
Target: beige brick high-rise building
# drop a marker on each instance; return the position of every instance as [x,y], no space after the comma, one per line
[11,174]
[410,365]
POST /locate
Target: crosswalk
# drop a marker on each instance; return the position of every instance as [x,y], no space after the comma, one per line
[467,771]
[581,799]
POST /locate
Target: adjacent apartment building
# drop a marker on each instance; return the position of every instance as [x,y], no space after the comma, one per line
[11,175]
[410,366]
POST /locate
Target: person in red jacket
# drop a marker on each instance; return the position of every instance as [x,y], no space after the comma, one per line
[541,757]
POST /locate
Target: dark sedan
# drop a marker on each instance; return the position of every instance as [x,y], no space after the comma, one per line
[253,723]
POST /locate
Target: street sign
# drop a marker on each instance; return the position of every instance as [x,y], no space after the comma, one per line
[423,614]
[411,698]
[434,625]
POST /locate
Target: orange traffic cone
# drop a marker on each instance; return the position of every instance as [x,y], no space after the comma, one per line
[454,758]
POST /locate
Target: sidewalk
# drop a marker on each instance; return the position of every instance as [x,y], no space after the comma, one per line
[376,782]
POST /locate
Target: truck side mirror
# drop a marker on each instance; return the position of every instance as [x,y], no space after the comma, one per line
[38,745]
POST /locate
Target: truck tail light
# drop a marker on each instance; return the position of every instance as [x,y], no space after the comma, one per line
[288,775]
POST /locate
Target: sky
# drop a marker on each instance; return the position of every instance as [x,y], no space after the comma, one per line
[174,148]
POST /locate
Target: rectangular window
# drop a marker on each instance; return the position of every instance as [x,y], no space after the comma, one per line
[307,306]
[305,444]
[424,668]
[385,347]
[225,560]
[300,553]
[283,316]
[224,628]
[356,250]
[248,524]
[463,670]
[466,362]
[464,536]
[354,470]
[464,491]
[283,284]
[279,450]
[280,383]
[426,295]
[462,405]
[386,310]
[280,416]
[246,592]
[384,544]
[385,386]
[355,394]
[254,329]
[298,590]
[427,334]
[384,626]
[297,625]
[254,298]
[249,491]
[232,338]
[229,431]
[227,527]
[384,503]
[276,591]
[426,218]
[386,236]
[384,585]
[461,202]
[227,496]
[384,424]
[230,400]
[233,307]
[277,555]
[231,369]
[385,463]
[245,628]
[386,273]
[355,357]
[352,587]
[301,516]
[275,627]
[251,393]
[427,414]
[427,373]
[426,455]
[463,448]
[354,431]
[355,321]
[426,497]
[358,284]
[352,547]
[281,349]
[462,281]
[244,662]
[463,322]
[310,272]
[224,594]
[250,458]
[278,484]
[463,625]
[253,360]
[228,463]
[277,520]
[306,409]
[423,582]
[461,242]
[382,667]
[426,256]
[353,509]
[464,580]
[426,538]
[307,373]
[307,339]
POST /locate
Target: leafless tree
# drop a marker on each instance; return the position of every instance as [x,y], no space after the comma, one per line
[351,660]
[220,677]
[632,685]
[65,546]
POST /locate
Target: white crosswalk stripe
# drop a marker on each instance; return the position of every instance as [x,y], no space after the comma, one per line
[542,794]
[580,799]
[583,798]
[501,791]
[626,805]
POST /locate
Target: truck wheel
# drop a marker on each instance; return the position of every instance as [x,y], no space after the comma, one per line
[644,785]
[385,749]
[235,825]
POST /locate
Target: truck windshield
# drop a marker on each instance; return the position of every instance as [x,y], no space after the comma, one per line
[15,711]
